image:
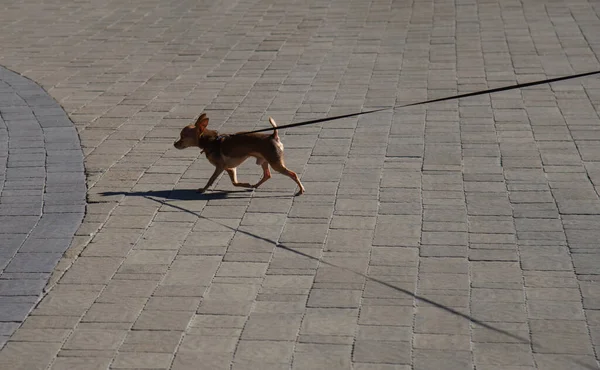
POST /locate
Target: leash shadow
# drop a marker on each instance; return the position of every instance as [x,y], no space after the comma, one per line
[191,194]
[370,278]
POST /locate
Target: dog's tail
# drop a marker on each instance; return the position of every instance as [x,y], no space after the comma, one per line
[272,122]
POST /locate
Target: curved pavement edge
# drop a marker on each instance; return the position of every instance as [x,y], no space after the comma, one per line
[42,194]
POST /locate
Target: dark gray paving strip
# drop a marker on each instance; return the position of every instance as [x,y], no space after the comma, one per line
[42,193]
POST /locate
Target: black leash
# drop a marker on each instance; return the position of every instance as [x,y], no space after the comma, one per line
[489,91]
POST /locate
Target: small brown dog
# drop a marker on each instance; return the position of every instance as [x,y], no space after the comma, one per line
[226,152]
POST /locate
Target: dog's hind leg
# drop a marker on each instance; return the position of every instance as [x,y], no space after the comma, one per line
[280,167]
[266,173]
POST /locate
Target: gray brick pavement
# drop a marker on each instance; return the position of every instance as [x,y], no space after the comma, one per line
[458,235]
[35,227]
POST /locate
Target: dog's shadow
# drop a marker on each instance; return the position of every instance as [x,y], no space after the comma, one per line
[191,194]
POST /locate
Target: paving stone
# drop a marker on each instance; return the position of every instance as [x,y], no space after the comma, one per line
[443,251]
[190,360]
[430,359]
[565,310]
[361,366]
[329,321]
[12,312]
[163,320]
[95,339]
[41,335]
[443,281]
[50,322]
[84,363]
[28,355]
[334,298]
[264,351]
[392,234]
[235,292]
[142,360]
[8,328]
[242,269]
[201,343]
[67,301]
[559,326]
[288,283]
[382,352]
[571,343]
[271,327]
[173,303]
[192,271]
[21,287]
[492,255]
[92,270]
[550,279]
[57,225]
[248,364]
[394,256]
[218,321]
[304,233]
[225,307]
[117,290]
[499,311]
[491,274]
[557,361]
[533,261]
[434,320]
[498,354]
[386,315]
[379,289]
[497,295]
[124,310]
[389,333]
[557,294]
[151,341]
[53,245]
[445,238]
[501,332]
[319,356]
[33,262]
[442,342]
[345,240]
[17,224]
[353,222]
[585,263]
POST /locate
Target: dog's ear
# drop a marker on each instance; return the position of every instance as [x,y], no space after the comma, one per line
[202,122]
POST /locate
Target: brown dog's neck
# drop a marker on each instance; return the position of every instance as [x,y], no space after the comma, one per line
[208,141]
[207,137]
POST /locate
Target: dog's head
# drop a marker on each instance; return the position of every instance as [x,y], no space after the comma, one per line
[190,134]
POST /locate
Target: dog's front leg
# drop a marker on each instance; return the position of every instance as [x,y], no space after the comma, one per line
[212,179]
[233,176]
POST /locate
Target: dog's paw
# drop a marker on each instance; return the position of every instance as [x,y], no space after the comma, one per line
[201,190]
[300,192]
